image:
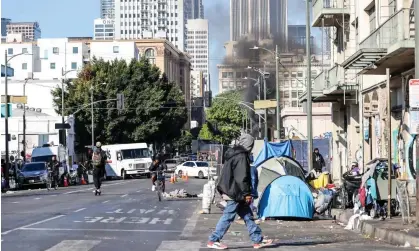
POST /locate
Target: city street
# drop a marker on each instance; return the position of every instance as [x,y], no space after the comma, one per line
[127,216]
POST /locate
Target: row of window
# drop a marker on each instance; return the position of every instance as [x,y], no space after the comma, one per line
[231,74]
[148,15]
[198,42]
[55,50]
[51,66]
[300,74]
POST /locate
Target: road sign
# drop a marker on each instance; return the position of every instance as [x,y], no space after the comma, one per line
[120,101]
[59,126]
[414,93]
[263,104]
[15,99]
[262,111]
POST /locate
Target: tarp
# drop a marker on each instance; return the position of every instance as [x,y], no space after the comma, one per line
[287,196]
[271,150]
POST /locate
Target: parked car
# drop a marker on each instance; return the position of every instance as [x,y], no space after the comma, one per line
[198,169]
[33,173]
[172,164]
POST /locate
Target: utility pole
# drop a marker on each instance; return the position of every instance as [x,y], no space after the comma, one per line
[309,101]
[93,123]
[264,98]
[24,122]
[6,121]
[417,76]
[63,74]
[390,164]
[278,107]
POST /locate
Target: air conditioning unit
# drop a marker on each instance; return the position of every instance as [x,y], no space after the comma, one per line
[38,110]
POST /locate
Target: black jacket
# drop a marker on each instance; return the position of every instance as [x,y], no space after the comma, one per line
[159,167]
[318,161]
[235,178]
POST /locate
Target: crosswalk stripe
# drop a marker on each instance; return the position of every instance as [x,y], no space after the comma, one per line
[74,245]
[179,245]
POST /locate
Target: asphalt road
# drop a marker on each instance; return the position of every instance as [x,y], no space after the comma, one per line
[127,216]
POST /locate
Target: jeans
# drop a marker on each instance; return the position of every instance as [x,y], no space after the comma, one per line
[97,177]
[229,213]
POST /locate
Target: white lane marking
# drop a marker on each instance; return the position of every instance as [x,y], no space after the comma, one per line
[179,245]
[72,245]
[124,195]
[90,189]
[79,210]
[139,191]
[15,202]
[190,224]
[106,201]
[32,224]
[37,198]
[131,211]
[53,195]
[99,230]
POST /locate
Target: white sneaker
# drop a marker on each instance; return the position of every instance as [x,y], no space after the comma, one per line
[153,188]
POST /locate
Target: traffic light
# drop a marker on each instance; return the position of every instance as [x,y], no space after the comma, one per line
[208,98]
[61,136]
[282,133]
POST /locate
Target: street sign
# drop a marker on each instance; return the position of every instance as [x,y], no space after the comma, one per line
[263,104]
[59,126]
[15,99]
[120,102]
[262,111]
[414,93]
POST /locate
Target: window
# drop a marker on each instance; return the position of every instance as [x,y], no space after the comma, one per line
[52,66]
[116,49]
[224,75]
[294,94]
[293,74]
[294,103]
[229,74]
[10,51]
[372,18]
[75,50]
[225,84]
[74,66]
[150,55]
[286,94]
[24,50]
[286,83]
[300,74]
[24,66]
[286,74]
[293,83]
[55,50]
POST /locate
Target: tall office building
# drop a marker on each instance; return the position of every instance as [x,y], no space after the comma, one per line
[259,19]
[4,23]
[198,45]
[30,30]
[107,9]
[103,29]
[144,19]
[194,9]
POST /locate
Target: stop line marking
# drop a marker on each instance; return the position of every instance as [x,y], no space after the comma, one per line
[127,220]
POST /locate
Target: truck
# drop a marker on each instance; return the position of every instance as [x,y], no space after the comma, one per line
[127,160]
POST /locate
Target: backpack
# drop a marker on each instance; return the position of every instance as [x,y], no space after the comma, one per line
[96,158]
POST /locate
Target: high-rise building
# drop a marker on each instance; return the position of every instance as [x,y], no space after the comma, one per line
[259,19]
[30,30]
[107,9]
[103,29]
[4,23]
[145,19]
[194,9]
[297,39]
[198,45]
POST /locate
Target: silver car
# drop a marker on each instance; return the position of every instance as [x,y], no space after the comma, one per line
[172,164]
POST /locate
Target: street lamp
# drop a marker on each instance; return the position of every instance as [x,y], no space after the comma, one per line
[278,107]
[6,115]
[92,107]
[264,75]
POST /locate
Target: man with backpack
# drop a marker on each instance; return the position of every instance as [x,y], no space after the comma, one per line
[98,163]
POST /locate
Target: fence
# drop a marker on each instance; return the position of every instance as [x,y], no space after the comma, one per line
[214,154]
[300,151]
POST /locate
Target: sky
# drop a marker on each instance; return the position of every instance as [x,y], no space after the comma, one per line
[74,18]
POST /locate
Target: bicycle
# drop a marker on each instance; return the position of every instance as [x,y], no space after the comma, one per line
[50,179]
[161,177]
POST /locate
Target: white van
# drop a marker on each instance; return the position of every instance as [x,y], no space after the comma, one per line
[125,160]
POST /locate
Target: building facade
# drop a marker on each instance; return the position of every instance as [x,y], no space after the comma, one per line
[103,29]
[4,23]
[378,35]
[198,45]
[107,9]
[194,9]
[197,84]
[259,19]
[146,19]
[30,30]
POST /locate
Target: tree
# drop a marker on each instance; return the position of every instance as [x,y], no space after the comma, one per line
[183,142]
[227,115]
[155,109]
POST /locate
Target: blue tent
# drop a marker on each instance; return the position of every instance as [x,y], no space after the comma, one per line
[286,196]
[271,150]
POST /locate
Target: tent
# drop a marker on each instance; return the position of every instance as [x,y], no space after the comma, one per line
[286,196]
[271,150]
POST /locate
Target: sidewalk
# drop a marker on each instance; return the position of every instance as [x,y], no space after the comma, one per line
[296,235]
[390,230]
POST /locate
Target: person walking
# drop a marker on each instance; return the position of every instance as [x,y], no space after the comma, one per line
[235,188]
[98,163]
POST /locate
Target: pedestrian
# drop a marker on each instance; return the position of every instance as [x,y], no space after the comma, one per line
[235,188]
[98,163]
[54,166]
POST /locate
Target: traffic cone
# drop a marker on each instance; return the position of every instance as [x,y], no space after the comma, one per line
[186,176]
[65,182]
[83,182]
[172,180]
[175,177]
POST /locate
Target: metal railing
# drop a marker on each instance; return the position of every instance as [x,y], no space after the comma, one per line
[318,5]
[320,81]
[393,30]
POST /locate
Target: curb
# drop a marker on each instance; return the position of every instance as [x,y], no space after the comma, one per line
[367,228]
